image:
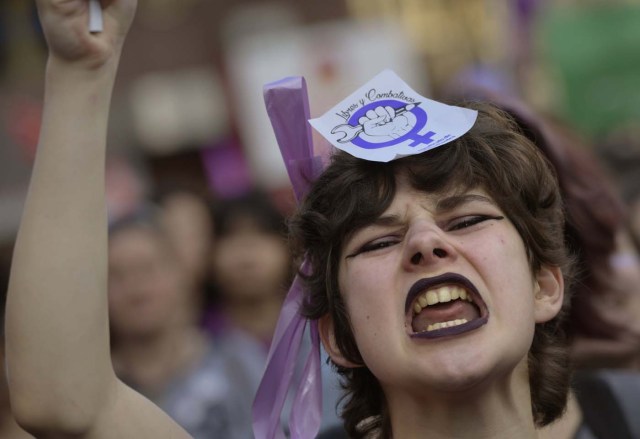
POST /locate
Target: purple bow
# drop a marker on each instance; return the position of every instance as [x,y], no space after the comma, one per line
[288,107]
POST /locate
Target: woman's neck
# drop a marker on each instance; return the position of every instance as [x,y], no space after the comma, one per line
[567,426]
[501,410]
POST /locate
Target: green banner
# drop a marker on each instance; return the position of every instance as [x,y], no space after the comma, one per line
[595,53]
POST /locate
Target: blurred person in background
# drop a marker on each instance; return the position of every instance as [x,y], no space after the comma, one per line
[621,153]
[158,346]
[604,319]
[251,266]
[157,262]
[187,221]
[603,323]
[252,270]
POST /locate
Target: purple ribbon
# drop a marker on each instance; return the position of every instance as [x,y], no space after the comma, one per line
[288,107]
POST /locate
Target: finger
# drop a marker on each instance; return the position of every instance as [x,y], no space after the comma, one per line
[363,120]
[402,122]
[381,112]
[391,112]
[372,114]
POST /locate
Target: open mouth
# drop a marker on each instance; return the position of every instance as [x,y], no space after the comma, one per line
[448,304]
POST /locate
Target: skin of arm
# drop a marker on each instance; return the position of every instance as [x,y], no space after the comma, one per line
[61,379]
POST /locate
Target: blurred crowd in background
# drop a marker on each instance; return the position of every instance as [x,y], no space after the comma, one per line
[198,197]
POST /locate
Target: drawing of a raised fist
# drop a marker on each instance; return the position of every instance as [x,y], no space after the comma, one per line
[387,122]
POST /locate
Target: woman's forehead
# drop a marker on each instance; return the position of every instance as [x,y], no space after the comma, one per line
[446,198]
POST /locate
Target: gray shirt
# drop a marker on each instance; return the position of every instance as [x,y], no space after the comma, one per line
[213,399]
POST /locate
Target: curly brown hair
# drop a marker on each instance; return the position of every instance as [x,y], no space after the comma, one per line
[494,156]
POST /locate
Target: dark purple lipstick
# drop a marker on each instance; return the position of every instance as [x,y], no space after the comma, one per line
[424,284]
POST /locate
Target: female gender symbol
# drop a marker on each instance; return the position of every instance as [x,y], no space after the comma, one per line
[400,107]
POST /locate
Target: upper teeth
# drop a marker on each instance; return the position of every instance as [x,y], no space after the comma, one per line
[440,295]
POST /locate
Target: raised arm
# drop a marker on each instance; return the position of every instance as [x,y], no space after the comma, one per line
[59,367]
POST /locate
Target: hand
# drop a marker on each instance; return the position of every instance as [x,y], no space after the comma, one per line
[383,121]
[66,28]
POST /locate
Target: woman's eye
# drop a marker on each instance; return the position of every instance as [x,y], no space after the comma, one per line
[469,221]
[374,245]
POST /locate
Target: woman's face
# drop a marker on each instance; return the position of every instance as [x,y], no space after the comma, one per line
[188,227]
[146,284]
[249,263]
[404,280]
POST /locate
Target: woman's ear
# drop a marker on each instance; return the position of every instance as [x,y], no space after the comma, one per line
[328,338]
[549,293]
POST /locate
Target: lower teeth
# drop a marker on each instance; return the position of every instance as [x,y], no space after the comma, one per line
[448,324]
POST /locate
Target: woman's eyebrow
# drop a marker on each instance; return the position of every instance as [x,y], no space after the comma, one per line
[454,201]
[385,220]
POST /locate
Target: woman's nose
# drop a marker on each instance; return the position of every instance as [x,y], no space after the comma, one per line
[427,245]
